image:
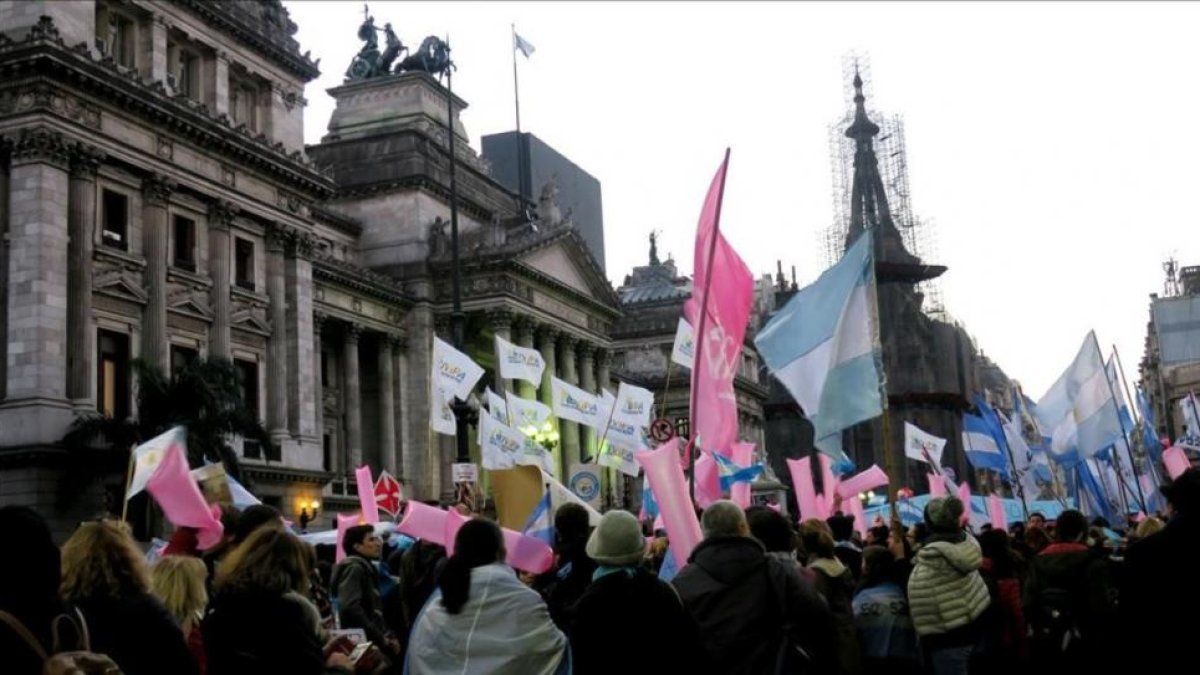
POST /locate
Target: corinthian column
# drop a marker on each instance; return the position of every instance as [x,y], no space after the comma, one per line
[81,224]
[277,408]
[387,402]
[525,339]
[547,345]
[569,431]
[220,218]
[353,398]
[587,380]
[502,328]
[156,193]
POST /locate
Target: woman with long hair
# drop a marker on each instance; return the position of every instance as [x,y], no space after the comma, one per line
[260,620]
[482,619]
[835,582]
[107,579]
[178,581]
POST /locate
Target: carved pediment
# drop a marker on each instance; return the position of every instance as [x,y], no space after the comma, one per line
[119,283]
[250,317]
[193,301]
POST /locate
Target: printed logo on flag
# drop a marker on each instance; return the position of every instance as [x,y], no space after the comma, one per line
[583,407]
[504,443]
[453,372]
[516,358]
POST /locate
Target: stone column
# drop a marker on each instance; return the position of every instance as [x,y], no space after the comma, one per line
[36,409]
[5,149]
[387,406]
[403,445]
[277,407]
[302,420]
[220,218]
[502,328]
[547,345]
[220,100]
[587,380]
[156,193]
[318,321]
[603,365]
[81,224]
[352,405]
[569,431]
[421,468]
[157,63]
[525,339]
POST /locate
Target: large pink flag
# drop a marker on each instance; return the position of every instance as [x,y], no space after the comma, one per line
[806,494]
[671,492]
[366,493]
[177,493]
[1176,461]
[719,309]
[743,455]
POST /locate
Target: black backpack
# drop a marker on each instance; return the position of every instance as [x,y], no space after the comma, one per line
[1054,624]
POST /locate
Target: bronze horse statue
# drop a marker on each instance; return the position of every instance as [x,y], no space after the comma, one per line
[433,57]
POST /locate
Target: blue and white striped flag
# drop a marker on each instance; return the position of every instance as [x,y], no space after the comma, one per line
[1079,407]
[539,524]
[731,473]
[823,346]
[980,446]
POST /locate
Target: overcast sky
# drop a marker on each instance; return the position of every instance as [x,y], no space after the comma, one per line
[1051,145]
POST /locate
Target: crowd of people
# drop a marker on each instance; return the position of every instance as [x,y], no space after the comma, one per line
[759,594]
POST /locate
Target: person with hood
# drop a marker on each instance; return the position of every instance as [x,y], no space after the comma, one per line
[1069,599]
[946,594]
[885,628]
[755,614]
[624,593]
[482,619]
[356,582]
[836,584]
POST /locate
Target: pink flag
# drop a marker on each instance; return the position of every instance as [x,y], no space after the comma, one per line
[743,455]
[964,493]
[862,482]
[671,492]
[526,553]
[422,521]
[806,494]
[708,481]
[177,493]
[345,521]
[454,523]
[829,484]
[719,309]
[937,486]
[1176,461]
[996,511]
[366,493]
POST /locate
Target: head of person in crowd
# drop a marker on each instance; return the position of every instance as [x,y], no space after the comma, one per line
[100,560]
[1036,539]
[1148,527]
[878,567]
[178,581]
[917,534]
[841,526]
[617,541]
[1016,530]
[817,539]
[479,542]
[771,528]
[1070,526]
[362,541]
[943,516]
[724,519]
[270,561]
[1037,519]
[997,547]
[30,573]
[253,518]
[878,535]
[1183,494]
[571,526]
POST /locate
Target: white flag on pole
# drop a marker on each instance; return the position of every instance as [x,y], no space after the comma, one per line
[453,371]
[634,404]
[526,413]
[684,351]
[619,458]
[519,363]
[496,406]
[522,45]
[576,405]
[922,445]
[501,446]
[441,417]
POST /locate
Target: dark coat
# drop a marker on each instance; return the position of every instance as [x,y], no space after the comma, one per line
[736,595]
[561,588]
[836,584]
[251,633]
[1160,597]
[137,632]
[641,605]
[355,584]
[1082,578]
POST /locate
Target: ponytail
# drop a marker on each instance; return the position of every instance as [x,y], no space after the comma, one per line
[479,542]
[455,582]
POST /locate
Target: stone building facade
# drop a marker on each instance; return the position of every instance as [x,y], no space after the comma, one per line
[1170,366]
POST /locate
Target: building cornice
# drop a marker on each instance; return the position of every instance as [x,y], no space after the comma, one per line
[359,279]
[277,473]
[219,17]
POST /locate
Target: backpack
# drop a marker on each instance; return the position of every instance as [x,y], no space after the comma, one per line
[1054,624]
[64,662]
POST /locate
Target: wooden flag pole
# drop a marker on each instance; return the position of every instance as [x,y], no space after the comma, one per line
[1112,392]
[128,480]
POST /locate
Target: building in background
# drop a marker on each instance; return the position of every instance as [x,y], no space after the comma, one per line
[1170,367]
[525,165]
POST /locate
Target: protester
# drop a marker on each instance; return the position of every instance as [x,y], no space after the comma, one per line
[751,609]
[1036,540]
[946,594]
[419,569]
[1006,644]
[881,618]
[482,619]
[774,531]
[356,583]
[178,581]
[1146,528]
[563,586]
[845,547]
[259,620]
[624,593]
[836,584]
[105,576]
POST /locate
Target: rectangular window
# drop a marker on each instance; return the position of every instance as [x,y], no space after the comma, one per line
[243,102]
[185,243]
[243,253]
[326,450]
[114,216]
[182,356]
[112,373]
[116,36]
[249,373]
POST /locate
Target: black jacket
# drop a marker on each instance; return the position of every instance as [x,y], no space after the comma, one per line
[251,633]
[640,605]
[137,632]
[355,584]
[736,595]
[1160,598]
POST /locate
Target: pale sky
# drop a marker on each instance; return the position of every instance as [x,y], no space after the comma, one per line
[1051,144]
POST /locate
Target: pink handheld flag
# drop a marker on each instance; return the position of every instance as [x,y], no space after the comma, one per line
[671,492]
[996,511]
[964,494]
[422,521]
[743,455]
[526,553]
[859,483]
[937,486]
[708,481]
[829,483]
[1176,461]
[454,523]
[176,492]
[366,494]
[806,495]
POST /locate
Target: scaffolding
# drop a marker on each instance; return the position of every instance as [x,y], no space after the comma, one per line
[892,155]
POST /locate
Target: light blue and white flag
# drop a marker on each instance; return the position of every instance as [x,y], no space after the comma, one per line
[519,363]
[1079,407]
[731,473]
[539,525]
[683,351]
[522,45]
[1189,413]
[823,346]
[980,446]
[575,405]
[634,404]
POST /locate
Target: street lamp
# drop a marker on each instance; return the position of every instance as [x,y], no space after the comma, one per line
[305,516]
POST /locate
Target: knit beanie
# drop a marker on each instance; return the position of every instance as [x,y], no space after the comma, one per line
[944,514]
[617,540]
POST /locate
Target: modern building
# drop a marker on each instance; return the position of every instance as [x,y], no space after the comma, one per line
[525,164]
[1170,367]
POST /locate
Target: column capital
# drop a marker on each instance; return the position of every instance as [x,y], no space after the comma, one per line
[501,317]
[568,342]
[603,357]
[85,161]
[586,349]
[396,341]
[548,333]
[41,145]
[157,189]
[318,321]
[353,331]
[441,326]
[276,236]
[221,214]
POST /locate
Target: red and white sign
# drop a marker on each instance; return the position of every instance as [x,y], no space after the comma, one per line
[388,493]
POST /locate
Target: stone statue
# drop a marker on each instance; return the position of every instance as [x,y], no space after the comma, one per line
[433,57]
[370,62]
[654,247]
[548,211]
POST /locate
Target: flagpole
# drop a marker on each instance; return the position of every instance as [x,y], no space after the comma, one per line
[128,480]
[1140,421]
[1124,436]
[697,359]
[521,187]
[1017,477]
[1195,415]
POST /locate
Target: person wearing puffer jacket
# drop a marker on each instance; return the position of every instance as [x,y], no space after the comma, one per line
[946,594]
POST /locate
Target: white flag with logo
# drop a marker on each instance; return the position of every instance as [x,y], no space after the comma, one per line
[519,363]
[526,413]
[684,351]
[576,405]
[441,417]
[619,458]
[922,445]
[497,409]
[634,404]
[501,446]
[453,371]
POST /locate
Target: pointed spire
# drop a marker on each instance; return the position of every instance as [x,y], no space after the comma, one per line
[863,129]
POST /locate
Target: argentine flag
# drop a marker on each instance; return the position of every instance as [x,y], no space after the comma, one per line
[1079,407]
[823,346]
[979,443]
[539,525]
[731,473]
